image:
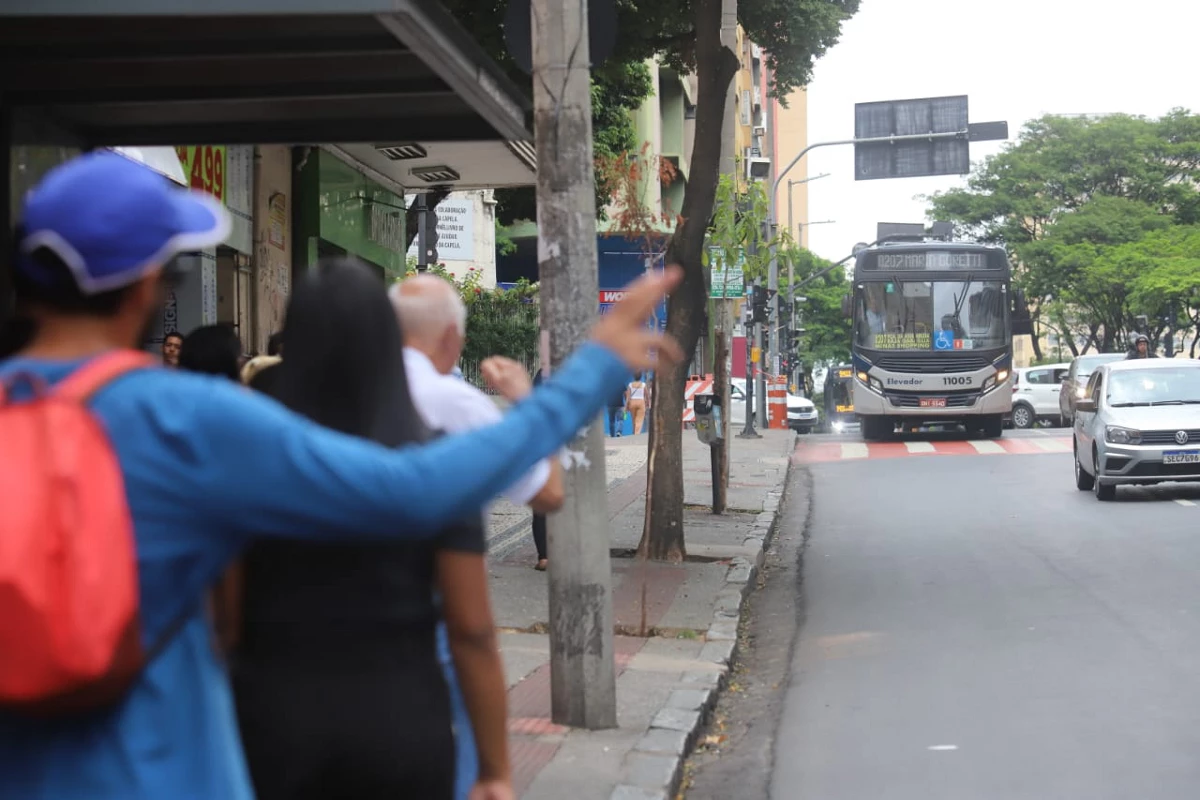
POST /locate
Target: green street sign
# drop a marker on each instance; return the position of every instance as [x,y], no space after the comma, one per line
[726,281]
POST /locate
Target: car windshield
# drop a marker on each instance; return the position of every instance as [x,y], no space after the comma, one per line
[1153,387]
[1088,364]
[931,315]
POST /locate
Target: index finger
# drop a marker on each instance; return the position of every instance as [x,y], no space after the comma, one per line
[644,294]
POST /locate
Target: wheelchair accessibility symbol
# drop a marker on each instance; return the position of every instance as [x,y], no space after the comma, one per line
[943,340]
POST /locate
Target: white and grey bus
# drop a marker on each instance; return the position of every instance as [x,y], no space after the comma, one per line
[932,337]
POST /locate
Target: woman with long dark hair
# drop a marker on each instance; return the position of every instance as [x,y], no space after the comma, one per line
[338,686]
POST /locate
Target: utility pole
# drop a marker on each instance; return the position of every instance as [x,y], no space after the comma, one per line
[723,325]
[583,686]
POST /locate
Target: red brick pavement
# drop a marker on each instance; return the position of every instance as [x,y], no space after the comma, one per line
[533,739]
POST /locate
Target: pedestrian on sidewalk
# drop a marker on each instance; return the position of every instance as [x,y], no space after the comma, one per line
[212,350]
[353,626]
[616,413]
[636,400]
[204,469]
[538,523]
[172,346]
[433,321]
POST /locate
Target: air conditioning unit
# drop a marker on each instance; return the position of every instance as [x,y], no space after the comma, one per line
[760,130]
[758,169]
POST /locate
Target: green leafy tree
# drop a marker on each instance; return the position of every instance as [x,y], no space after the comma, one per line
[1065,192]
[826,339]
[686,35]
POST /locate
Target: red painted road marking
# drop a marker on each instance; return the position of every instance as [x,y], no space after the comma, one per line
[810,453]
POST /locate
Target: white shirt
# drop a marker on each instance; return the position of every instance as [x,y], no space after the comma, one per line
[452,405]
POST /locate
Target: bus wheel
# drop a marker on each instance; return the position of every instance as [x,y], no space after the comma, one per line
[993,426]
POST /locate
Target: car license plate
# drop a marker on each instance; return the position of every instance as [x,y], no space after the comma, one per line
[1181,457]
[933,402]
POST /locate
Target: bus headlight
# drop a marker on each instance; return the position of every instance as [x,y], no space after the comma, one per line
[1001,376]
[992,381]
[874,383]
[839,426]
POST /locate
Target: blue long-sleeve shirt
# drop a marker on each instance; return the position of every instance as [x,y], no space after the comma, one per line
[208,466]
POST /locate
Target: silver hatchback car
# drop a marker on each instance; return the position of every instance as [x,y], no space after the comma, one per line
[1138,423]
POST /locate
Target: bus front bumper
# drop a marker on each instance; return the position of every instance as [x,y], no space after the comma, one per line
[909,404]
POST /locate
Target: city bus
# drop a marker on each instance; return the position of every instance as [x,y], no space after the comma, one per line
[839,400]
[932,341]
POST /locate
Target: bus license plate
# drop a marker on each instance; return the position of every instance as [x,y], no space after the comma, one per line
[933,402]
[1181,457]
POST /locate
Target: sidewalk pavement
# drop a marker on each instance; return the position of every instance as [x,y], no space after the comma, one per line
[676,624]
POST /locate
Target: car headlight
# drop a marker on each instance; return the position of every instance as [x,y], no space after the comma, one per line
[1119,435]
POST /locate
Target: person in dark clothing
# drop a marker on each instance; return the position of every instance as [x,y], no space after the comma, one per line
[212,350]
[275,344]
[338,686]
[539,520]
[1141,348]
[616,413]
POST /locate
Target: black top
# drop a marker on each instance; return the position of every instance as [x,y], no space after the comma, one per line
[302,599]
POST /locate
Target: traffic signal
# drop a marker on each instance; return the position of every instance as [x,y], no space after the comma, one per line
[431,236]
[793,341]
[758,305]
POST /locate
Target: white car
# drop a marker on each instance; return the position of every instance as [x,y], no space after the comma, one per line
[1035,394]
[802,414]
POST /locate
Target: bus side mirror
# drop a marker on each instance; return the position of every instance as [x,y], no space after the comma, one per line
[845,305]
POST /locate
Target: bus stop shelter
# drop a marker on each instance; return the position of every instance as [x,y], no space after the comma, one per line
[382,76]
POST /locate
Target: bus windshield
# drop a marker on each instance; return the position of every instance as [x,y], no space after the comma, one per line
[931,315]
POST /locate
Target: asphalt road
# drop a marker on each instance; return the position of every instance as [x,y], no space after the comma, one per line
[954,620]
[975,627]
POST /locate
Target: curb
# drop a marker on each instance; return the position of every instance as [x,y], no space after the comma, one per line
[653,769]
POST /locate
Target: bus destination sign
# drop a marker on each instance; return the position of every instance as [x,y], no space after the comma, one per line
[927,260]
[902,341]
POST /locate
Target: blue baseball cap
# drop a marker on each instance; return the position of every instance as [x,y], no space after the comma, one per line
[112,221]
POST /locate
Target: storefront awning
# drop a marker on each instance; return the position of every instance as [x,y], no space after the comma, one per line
[398,79]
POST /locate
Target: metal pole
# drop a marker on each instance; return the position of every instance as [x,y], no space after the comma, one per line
[583,688]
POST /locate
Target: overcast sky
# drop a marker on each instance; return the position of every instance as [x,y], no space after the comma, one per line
[1015,59]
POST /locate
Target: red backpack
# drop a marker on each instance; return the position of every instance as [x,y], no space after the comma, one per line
[70,631]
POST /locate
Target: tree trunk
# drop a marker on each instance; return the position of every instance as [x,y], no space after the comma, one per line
[716,65]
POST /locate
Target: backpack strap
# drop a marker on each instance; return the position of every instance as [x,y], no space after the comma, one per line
[81,384]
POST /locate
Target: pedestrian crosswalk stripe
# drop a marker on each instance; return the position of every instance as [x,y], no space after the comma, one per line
[816,450]
[855,450]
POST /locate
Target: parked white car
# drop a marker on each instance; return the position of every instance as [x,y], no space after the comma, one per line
[802,414]
[1035,395]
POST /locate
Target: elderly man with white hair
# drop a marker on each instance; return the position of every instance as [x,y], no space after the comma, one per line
[433,320]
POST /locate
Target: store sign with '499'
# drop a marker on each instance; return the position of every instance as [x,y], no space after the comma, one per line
[204,166]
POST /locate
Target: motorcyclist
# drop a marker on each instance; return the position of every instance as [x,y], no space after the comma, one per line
[1141,348]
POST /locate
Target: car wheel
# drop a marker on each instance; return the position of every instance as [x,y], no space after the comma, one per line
[1023,416]
[1083,481]
[1104,491]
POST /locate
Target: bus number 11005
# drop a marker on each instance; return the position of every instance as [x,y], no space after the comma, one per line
[956,380]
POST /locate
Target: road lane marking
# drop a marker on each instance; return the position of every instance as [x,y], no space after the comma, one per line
[920,447]
[1185,502]
[987,447]
[855,450]
[944,747]
[1053,445]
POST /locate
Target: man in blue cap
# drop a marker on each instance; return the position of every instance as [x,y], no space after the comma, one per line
[207,467]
